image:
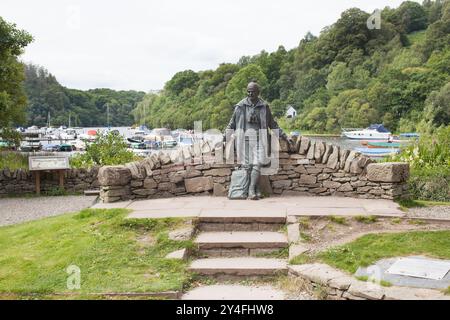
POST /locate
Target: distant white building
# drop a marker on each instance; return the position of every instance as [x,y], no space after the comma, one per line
[291,112]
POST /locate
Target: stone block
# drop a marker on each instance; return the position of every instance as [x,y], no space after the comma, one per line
[331,184]
[304,145]
[319,151]
[388,172]
[199,184]
[221,172]
[311,151]
[281,184]
[150,183]
[333,159]
[219,190]
[114,176]
[307,179]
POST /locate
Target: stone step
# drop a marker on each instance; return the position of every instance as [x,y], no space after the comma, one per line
[239,266]
[92,192]
[250,240]
[234,292]
[251,226]
[255,215]
[238,244]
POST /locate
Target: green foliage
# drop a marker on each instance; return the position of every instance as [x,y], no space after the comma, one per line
[348,76]
[12,96]
[13,160]
[11,136]
[366,219]
[107,149]
[237,87]
[181,81]
[85,108]
[338,220]
[429,160]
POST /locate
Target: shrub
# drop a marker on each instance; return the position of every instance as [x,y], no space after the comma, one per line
[107,149]
[13,160]
[11,137]
[429,159]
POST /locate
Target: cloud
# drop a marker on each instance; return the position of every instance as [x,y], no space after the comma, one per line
[141,44]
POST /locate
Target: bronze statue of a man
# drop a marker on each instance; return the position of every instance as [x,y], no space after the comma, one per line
[251,115]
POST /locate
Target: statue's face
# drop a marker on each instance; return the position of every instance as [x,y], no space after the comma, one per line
[252,92]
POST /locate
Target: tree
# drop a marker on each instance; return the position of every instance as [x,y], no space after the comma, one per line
[182,80]
[237,87]
[437,107]
[12,95]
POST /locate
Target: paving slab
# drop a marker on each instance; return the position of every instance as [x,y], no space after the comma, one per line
[164,213]
[210,240]
[268,208]
[341,211]
[177,255]
[378,272]
[234,292]
[242,215]
[113,205]
[239,266]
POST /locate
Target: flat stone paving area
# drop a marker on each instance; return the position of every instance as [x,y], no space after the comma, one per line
[18,210]
[194,206]
[378,271]
[234,292]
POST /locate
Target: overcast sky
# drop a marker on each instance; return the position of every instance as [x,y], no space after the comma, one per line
[141,44]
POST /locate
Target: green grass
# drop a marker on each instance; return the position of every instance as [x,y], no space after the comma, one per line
[13,160]
[306,237]
[447,291]
[365,219]
[338,220]
[276,254]
[302,259]
[373,247]
[382,283]
[396,220]
[405,204]
[416,222]
[34,256]
[304,223]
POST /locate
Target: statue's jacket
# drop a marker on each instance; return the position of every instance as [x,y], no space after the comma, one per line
[238,121]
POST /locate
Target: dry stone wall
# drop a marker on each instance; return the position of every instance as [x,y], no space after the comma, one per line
[306,168]
[22,181]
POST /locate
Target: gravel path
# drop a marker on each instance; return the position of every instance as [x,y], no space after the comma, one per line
[434,212]
[18,210]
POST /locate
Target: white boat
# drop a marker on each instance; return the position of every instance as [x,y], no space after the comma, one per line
[169,142]
[374,132]
[68,134]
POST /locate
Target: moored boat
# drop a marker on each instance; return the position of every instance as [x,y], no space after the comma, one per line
[371,144]
[373,132]
[377,152]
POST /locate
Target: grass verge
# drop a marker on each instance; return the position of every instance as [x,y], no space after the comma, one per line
[114,255]
[372,247]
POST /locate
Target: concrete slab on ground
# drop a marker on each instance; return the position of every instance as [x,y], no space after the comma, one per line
[164,213]
[378,272]
[234,292]
[113,205]
[276,205]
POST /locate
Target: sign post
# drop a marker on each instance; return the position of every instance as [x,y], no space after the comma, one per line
[48,163]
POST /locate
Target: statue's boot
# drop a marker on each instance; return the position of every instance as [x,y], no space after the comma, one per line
[254,182]
[258,191]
